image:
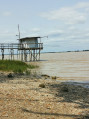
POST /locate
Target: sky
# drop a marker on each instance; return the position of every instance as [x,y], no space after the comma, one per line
[65,22]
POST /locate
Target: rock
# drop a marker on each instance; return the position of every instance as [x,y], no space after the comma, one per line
[86,117]
[65,89]
[45,75]
[83,117]
[54,77]
[10,75]
[42,85]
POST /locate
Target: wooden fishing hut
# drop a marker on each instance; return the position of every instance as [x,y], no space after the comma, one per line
[28,49]
[31,46]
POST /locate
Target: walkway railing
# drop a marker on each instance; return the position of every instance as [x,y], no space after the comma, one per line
[25,52]
[21,46]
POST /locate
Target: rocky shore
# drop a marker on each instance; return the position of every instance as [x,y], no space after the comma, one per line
[41,97]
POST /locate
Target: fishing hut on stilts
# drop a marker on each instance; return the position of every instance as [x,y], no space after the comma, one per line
[28,49]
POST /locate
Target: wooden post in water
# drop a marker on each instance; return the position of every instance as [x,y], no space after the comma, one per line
[17,54]
[21,55]
[36,55]
[39,54]
[29,56]
[24,51]
[2,50]
[33,55]
[25,56]
[11,54]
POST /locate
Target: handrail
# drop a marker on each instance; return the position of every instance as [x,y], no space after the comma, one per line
[20,45]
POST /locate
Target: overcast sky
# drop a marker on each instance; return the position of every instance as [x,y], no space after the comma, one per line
[65,22]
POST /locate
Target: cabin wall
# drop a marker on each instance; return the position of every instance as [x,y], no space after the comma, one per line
[32,43]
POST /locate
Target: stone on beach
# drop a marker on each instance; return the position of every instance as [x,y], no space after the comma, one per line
[54,77]
[42,85]
[10,75]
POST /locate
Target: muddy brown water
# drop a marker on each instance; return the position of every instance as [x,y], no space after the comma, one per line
[68,65]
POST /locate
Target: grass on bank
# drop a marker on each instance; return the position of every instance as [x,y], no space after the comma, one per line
[15,66]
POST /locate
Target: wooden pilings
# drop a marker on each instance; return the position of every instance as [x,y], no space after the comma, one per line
[23,54]
[2,50]
[12,54]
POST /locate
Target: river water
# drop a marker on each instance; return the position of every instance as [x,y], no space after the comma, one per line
[68,65]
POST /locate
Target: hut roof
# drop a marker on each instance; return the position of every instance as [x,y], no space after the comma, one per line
[28,38]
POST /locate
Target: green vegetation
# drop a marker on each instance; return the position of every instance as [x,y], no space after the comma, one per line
[15,66]
[28,72]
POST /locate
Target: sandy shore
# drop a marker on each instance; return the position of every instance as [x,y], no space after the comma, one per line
[21,97]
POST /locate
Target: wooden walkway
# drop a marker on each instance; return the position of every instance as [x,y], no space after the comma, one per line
[25,52]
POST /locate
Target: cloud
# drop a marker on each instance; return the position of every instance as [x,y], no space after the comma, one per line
[55,33]
[82,5]
[6,13]
[69,15]
[7,33]
[70,36]
[35,30]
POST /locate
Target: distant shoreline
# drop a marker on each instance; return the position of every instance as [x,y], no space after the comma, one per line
[59,52]
[66,51]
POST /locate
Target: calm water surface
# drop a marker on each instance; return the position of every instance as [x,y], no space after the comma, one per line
[69,65]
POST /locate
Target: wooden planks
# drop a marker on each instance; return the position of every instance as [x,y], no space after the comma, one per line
[24,51]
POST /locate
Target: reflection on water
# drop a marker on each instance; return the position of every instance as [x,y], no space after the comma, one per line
[69,65]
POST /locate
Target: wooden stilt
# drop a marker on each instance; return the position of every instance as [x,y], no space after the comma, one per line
[36,55]
[2,50]
[24,51]
[17,54]
[31,56]
[39,54]
[11,54]
[21,55]
[25,56]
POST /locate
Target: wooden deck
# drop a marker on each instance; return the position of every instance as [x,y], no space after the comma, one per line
[22,51]
[21,46]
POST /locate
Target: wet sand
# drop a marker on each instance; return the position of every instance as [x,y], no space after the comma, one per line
[69,65]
